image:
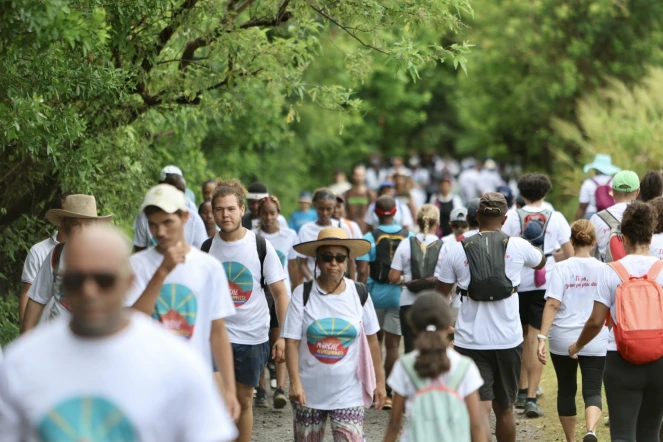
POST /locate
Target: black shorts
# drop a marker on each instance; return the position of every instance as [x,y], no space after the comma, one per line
[500,370]
[531,307]
[273,319]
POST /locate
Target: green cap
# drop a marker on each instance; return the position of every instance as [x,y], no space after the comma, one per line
[626,181]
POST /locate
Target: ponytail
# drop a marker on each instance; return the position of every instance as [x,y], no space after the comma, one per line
[430,316]
[427,216]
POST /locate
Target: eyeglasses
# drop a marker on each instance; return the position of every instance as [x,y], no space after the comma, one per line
[329,257]
[73,281]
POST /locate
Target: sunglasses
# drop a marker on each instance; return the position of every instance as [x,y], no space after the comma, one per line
[329,257]
[74,281]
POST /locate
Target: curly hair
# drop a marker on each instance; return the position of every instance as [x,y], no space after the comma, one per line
[429,316]
[639,222]
[230,187]
[651,186]
[583,233]
[534,186]
[657,204]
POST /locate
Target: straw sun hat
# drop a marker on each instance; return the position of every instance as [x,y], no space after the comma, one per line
[334,236]
[76,206]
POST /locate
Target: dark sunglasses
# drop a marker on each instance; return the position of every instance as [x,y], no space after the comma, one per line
[73,281]
[329,257]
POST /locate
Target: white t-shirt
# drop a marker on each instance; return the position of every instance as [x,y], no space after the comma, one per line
[574,282]
[455,300]
[283,241]
[309,232]
[468,181]
[403,216]
[36,257]
[283,223]
[352,226]
[402,260]
[138,384]
[328,331]
[194,294]
[250,324]
[588,192]
[558,231]
[491,325]
[603,229]
[47,290]
[656,246]
[489,181]
[194,229]
[401,383]
[609,280]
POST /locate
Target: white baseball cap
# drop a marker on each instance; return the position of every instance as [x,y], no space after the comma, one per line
[166,198]
[170,170]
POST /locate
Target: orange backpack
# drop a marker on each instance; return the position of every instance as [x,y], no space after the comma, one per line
[639,315]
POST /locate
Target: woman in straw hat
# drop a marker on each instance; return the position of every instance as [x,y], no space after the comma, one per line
[78,212]
[332,350]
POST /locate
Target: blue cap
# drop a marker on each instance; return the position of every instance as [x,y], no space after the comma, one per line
[508,194]
[387,183]
[305,197]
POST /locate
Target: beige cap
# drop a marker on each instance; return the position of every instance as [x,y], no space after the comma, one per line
[165,197]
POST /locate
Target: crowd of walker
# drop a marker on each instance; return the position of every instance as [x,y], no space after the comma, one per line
[180,335]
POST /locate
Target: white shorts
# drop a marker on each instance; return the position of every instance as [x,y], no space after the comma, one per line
[389,320]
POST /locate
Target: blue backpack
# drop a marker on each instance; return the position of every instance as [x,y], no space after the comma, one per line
[438,413]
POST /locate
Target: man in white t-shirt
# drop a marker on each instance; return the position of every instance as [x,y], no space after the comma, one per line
[468,181]
[78,213]
[251,220]
[545,229]
[602,164]
[237,250]
[183,288]
[625,190]
[489,331]
[194,229]
[403,215]
[106,373]
[489,177]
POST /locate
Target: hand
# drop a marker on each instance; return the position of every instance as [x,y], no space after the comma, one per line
[297,394]
[574,350]
[233,405]
[543,353]
[279,351]
[172,256]
[380,397]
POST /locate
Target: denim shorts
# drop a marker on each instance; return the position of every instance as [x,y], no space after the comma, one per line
[250,361]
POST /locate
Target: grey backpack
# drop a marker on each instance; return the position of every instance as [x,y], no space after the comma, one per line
[485,256]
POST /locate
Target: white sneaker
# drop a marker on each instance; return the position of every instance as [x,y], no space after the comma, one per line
[590,437]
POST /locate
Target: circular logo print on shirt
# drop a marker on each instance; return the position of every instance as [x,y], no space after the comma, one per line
[282,257]
[87,419]
[240,281]
[330,339]
[176,309]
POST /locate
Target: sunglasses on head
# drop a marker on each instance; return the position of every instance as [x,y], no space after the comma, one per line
[329,257]
[73,281]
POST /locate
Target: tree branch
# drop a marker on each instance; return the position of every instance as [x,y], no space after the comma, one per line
[346,29]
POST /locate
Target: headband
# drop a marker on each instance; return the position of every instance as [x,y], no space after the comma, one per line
[256,196]
[385,213]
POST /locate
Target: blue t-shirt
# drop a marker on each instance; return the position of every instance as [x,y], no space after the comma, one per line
[299,218]
[383,295]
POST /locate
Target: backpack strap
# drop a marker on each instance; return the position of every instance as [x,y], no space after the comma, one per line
[458,376]
[608,218]
[308,285]
[207,244]
[408,361]
[655,270]
[55,259]
[362,291]
[261,245]
[621,271]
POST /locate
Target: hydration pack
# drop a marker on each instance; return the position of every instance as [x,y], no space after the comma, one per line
[385,247]
[486,258]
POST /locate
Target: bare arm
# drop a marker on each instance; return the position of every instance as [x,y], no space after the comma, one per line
[33,311]
[297,393]
[362,271]
[549,313]
[542,264]
[396,421]
[280,295]
[567,248]
[352,269]
[223,357]
[293,271]
[444,288]
[593,325]
[580,213]
[479,424]
[171,258]
[395,277]
[23,301]
[303,269]
[380,390]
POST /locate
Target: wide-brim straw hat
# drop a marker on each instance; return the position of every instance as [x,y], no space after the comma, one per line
[334,236]
[76,206]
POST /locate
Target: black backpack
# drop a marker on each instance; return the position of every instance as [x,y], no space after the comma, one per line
[485,255]
[362,291]
[385,247]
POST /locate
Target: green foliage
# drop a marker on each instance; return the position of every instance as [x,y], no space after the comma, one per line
[8,319]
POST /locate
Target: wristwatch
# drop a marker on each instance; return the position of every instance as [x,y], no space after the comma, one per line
[543,337]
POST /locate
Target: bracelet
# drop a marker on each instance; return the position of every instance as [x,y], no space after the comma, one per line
[544,337]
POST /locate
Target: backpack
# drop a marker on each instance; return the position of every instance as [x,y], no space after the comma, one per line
[438,413]
[423,265]
[615,249]
[639,315]
[485,256]
[533,226]
[362,291]
[603,195]
[385,247]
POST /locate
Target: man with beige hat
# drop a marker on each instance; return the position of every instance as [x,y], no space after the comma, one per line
[77,213]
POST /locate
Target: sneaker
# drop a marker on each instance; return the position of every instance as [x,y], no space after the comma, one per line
[520,401]
[273,384]
[272,376]
[539,392]
[261,398]
[280,399]
[387,404]
[533,410]
[590,437]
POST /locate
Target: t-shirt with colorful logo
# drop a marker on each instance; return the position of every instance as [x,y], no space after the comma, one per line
[283,241]
[250,325]
[193,295]
[139,384]
[328,329]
